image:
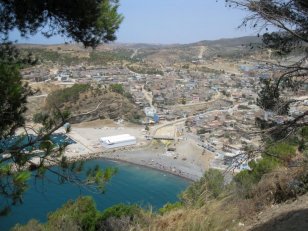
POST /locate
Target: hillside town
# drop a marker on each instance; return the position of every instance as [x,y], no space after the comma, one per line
[213,109]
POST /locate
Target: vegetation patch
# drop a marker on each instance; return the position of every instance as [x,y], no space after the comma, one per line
[71,94]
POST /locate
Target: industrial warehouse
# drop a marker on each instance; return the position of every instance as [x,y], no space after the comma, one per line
[118,141]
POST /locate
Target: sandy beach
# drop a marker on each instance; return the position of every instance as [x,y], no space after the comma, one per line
[189,160]
[158,159]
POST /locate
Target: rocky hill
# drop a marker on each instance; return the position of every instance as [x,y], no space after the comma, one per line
[86,103]
[153,53]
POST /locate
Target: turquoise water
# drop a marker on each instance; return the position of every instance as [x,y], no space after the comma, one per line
[132,184]
[17,141]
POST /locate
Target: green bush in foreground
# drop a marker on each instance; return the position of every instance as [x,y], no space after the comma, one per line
[276,155]
[120,210]
[211,185]
[282,152]
[83,215]
[78,215]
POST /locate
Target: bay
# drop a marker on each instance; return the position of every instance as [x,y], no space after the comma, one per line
[132,184]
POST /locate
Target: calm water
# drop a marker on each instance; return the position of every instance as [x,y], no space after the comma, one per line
[18,141]
[132,184]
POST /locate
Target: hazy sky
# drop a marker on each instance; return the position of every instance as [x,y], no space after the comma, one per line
[170,21]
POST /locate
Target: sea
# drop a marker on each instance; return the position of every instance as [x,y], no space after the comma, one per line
[132,184]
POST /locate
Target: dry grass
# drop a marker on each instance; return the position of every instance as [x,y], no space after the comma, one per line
[231,212]
[217,215]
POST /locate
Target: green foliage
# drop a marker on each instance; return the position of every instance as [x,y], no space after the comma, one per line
[129,96]
[284,40]
[283,152]
[304,133]
[13,185]
[89,22]
[201,131]
[274,156]
[70,94]
[99,177]
[135,118]
[13,98]
[303,140]
[21,177]
[169,207]
[269,95]
[117,87]
[109,20]
[81,214]
[120,210]
[40,117]
[215,182]
[211,185]
[10,55]
[246,179]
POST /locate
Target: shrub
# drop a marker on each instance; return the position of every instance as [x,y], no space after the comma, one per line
[70,94]
[201,131]
[120,210]
[40,117]
[81,214]
[211,185]
[134,117]
[246,179]
[118,88]
[215,182]
[282,152]
[273,157]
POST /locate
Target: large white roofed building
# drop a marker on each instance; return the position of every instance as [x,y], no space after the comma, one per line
[118,141]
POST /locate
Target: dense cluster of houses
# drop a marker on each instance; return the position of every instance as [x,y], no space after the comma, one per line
[224,126]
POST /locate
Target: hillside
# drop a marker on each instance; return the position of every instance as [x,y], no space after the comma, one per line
[271,196]
[154,53]
[85,103]
[231,42]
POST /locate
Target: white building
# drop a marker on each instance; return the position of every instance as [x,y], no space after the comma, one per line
[118,141]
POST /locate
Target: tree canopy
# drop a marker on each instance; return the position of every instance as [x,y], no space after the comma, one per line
[87,21]
[289,22]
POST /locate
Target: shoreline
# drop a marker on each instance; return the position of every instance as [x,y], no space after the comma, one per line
[188,160]
[147,166]
[148,157]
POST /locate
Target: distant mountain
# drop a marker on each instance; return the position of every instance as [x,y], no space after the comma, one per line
[155,54]
[230,42]
[224,42]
